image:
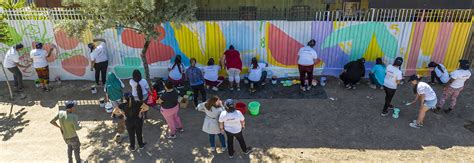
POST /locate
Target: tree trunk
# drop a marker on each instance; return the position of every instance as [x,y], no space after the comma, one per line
[145,63]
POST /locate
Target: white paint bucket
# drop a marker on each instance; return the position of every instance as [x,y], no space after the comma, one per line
[109,107]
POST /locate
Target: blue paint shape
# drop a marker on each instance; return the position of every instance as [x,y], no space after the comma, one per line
[171,41]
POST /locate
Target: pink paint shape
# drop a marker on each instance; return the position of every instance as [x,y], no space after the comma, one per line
[156,51]
[65,42]
[442,42]
[415,48]
[284,48]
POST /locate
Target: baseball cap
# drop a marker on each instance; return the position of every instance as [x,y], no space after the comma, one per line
[229,103]
[464,64]
[414,77]
[70,103]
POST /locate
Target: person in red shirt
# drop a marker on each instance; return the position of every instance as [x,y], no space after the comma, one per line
[233,64]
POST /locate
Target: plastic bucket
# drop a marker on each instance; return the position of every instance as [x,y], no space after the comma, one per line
[102,102]
[242,107]
[109,107]
[254,108]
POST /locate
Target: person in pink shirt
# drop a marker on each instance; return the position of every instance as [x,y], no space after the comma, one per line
[233,65]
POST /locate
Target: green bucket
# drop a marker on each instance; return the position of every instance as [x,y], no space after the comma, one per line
[254,108]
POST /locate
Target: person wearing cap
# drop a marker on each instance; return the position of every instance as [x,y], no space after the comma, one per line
[232,122]
[377,74]
[307,58]
[131,109]
[393,76]
[353,72]
[233,64]
[99,60]
[11,62]
[68,125]
[169,109]
[427,97]
[455,85]
[212,108]
[40,63]
[438,72]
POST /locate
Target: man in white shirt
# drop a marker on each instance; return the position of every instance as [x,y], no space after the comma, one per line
[40,63]
[99,60]
[307,58]
[439,72]
[455,85]
[393,77]
[12,62]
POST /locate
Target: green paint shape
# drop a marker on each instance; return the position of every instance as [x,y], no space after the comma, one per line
[360,35]
[16,38]
[129,64]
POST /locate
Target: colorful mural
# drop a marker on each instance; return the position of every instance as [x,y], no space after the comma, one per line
[274,42]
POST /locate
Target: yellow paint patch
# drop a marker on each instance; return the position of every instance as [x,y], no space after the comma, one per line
[429,38]
[457,42]
[373,51]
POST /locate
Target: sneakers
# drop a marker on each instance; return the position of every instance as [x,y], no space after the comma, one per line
[373,86]
[231,157]
[231,88]
[414,124]
[131,148]
[238,88]
[448,110]
[249,150]
[303,89]
[171,137]
[384,114]
[215,89]
[223,149]
[143,145]
[308,88]
[348,86]
[213,149]
[180,129]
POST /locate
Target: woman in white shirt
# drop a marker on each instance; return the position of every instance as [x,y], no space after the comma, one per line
[40,63]
[213,108]
[211,75]
[232,122]
[455,85]
[257,74]
[140,88]
[439,72]
[427,97]
[176,70]
[307,58]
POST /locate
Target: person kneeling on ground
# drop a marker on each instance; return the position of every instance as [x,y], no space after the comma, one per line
[211,75]
[176,75]
[232,122]
[439,72]
[353,72]
[213,108]
[427,97]
[455,85]
[257,74]
[377,74]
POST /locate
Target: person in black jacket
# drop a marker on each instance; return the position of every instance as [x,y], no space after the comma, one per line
[353,72]
[133,120]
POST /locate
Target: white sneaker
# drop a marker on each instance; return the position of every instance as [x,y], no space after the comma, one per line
[231,88]
[373,86]
[223,149]
[215,89]
[238,88]
[414,124]
[213,149]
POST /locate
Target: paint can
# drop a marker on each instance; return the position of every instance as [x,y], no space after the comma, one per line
[37,83]
[323,81]
[274,80]
[102,102]
[109,107]
[93,89]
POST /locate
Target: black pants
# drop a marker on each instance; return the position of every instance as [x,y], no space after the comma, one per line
[196,90]
[255,84]
[389,93]
[135,128]
[433,77]
[348,79]
[100,71]
[230,142]
[17,77]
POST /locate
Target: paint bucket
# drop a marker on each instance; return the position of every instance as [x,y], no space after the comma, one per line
[109,107]
[323,81]
[102,102]
[58,80]
[242,107]
[254,108]
[396,112]
[274,81]
[93,89]
[37,83]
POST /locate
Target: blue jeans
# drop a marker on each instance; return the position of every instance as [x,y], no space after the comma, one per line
[374,80]
[212,140]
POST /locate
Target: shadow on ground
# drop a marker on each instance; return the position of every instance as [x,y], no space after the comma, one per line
[13,123]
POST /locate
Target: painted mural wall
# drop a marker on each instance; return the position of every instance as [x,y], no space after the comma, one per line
[274,42]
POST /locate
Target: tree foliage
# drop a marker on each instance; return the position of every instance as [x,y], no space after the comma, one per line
[140,15]
[12,4]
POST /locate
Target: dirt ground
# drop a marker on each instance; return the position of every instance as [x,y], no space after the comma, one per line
[347,126]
